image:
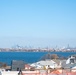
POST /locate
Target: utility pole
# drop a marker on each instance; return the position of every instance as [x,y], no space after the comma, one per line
[20,72]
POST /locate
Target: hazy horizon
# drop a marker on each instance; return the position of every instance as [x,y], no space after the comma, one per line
[37,23]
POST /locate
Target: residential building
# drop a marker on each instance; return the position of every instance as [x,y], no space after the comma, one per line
[17,65]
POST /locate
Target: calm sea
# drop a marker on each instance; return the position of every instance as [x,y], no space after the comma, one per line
[28,57]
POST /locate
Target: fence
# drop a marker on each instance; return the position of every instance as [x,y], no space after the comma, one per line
[66,71]
[42,72]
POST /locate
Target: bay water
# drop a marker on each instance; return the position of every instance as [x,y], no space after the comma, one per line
[28,57]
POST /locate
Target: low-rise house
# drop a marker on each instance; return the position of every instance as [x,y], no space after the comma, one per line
[36,65]
[69,64]
[71,60]
[45,64]
[27,67]
[48,61]
[73,68]
[58,62]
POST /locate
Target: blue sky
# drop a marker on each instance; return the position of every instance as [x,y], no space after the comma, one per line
[37,23]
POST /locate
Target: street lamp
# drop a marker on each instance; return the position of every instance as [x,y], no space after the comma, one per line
[62,70]
[20,72]
[54,65]
[0,73]
[70,69]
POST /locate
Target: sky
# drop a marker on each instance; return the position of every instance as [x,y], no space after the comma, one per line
[37,23]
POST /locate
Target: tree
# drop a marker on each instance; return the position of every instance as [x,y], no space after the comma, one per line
[2,64]
[54,56]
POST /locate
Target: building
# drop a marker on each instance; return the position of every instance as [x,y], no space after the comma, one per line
[17,65]
[27,67]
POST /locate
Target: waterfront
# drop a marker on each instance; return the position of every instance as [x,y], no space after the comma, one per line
[28,57]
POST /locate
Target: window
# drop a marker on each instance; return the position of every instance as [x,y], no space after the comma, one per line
[71,60]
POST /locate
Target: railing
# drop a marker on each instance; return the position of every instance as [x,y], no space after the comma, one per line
[66,71]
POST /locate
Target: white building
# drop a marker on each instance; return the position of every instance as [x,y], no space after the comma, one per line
[45,63]
[70,60]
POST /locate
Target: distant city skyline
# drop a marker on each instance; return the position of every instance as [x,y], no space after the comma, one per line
[37,23]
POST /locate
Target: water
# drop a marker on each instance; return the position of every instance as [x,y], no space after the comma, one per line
[28,57]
